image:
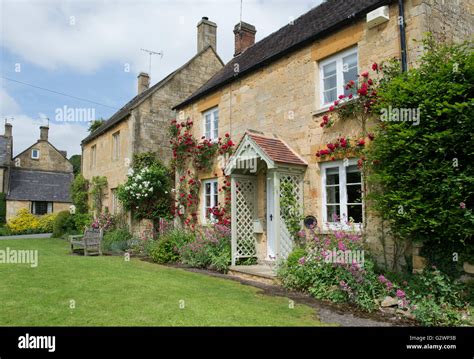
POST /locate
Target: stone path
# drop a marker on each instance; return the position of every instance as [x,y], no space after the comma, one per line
[28,236]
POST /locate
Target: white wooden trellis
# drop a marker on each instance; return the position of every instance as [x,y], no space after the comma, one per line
[244,201]
[244,190]
[285,239]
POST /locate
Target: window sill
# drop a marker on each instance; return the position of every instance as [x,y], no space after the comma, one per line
[325,109]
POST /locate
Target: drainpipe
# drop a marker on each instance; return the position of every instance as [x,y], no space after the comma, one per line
[403,42]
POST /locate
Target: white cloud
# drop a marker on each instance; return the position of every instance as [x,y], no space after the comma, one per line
[64,136]
[8,104]
[85,36]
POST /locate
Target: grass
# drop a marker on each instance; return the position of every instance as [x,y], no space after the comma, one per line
[109,291]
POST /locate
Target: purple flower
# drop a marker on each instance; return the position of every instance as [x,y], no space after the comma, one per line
[302,260]
[400,293]
[341,246]
[382,279]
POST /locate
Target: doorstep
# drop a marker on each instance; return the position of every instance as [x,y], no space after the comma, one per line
[258,273]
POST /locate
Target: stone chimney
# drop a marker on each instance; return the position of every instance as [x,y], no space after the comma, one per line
[143,82]
[8,129]
[44,133]
[206,34]
[244,37]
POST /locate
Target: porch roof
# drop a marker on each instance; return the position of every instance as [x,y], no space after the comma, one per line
[274,151]
[277,150]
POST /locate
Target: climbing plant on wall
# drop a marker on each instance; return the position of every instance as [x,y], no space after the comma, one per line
[191,155]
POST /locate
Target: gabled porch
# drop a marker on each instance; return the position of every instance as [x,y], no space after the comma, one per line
[257,169]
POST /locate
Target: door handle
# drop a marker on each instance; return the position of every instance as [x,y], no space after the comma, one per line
[271,217]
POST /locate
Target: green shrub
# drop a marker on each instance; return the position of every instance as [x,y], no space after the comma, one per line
[81,221]
[80,194]
[63,224]
[166,248]
[26,223]
[421,176]
[210,249]
[116,241]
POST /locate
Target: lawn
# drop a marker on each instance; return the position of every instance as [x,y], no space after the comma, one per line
[109,291]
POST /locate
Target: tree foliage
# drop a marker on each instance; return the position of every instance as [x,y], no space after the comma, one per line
[422,176]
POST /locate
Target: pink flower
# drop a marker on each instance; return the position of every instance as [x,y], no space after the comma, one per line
[302,260]
[341,246]
[382,279]
[365,74]
[375,67]
[400,293]
[462,205]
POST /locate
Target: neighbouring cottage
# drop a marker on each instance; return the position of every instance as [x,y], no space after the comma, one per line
[38,179]
[142,124]
[271,98]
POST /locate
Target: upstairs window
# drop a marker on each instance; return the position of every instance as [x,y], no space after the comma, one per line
[35,154]
[116,145]
[211,198]
[335,72]
[341,193]
[211,124]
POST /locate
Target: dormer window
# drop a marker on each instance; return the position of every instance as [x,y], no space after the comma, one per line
[35,154]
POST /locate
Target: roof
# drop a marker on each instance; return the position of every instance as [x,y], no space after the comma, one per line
[134,102]
[5,150]
[31,185]
[277,150]
[324,19]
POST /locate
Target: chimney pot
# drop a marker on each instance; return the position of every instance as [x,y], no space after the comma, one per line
[244,37]
[206,34]
[8,129]
[143,82]
[44,133]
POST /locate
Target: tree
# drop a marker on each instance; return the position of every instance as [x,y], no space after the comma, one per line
[421,170]
[79,194]
[94,125]
[76,163]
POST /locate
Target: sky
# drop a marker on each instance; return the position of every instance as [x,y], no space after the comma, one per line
[90,51]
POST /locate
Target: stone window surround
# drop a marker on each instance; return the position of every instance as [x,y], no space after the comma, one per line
[116,146]
[326,225]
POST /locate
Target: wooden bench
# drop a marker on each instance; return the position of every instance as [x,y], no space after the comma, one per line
[90,242]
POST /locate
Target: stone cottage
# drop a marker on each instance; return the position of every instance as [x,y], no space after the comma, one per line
[142,124]
[271,97]
[38,179]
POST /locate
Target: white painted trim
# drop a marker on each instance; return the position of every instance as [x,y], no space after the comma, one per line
[211,112]
[203,197]
[325,225]
[339,78]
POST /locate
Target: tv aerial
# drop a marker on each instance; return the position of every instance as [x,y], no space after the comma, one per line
[151,53]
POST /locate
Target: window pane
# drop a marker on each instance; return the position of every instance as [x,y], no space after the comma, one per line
[330,96]
[330,83]
[207,125]
[332,194]
[354,194]
[353,174]
[329,69]
[355,212]
[332,176]
[216,199]
[349,61]
[215,124]
[333,213]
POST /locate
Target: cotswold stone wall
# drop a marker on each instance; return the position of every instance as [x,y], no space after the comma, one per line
[283,99]
[49,159]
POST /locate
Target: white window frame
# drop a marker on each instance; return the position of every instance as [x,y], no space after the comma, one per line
[214,124]
[341,165]
[339,74]
[37,152]
[214,193]
[116,146]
